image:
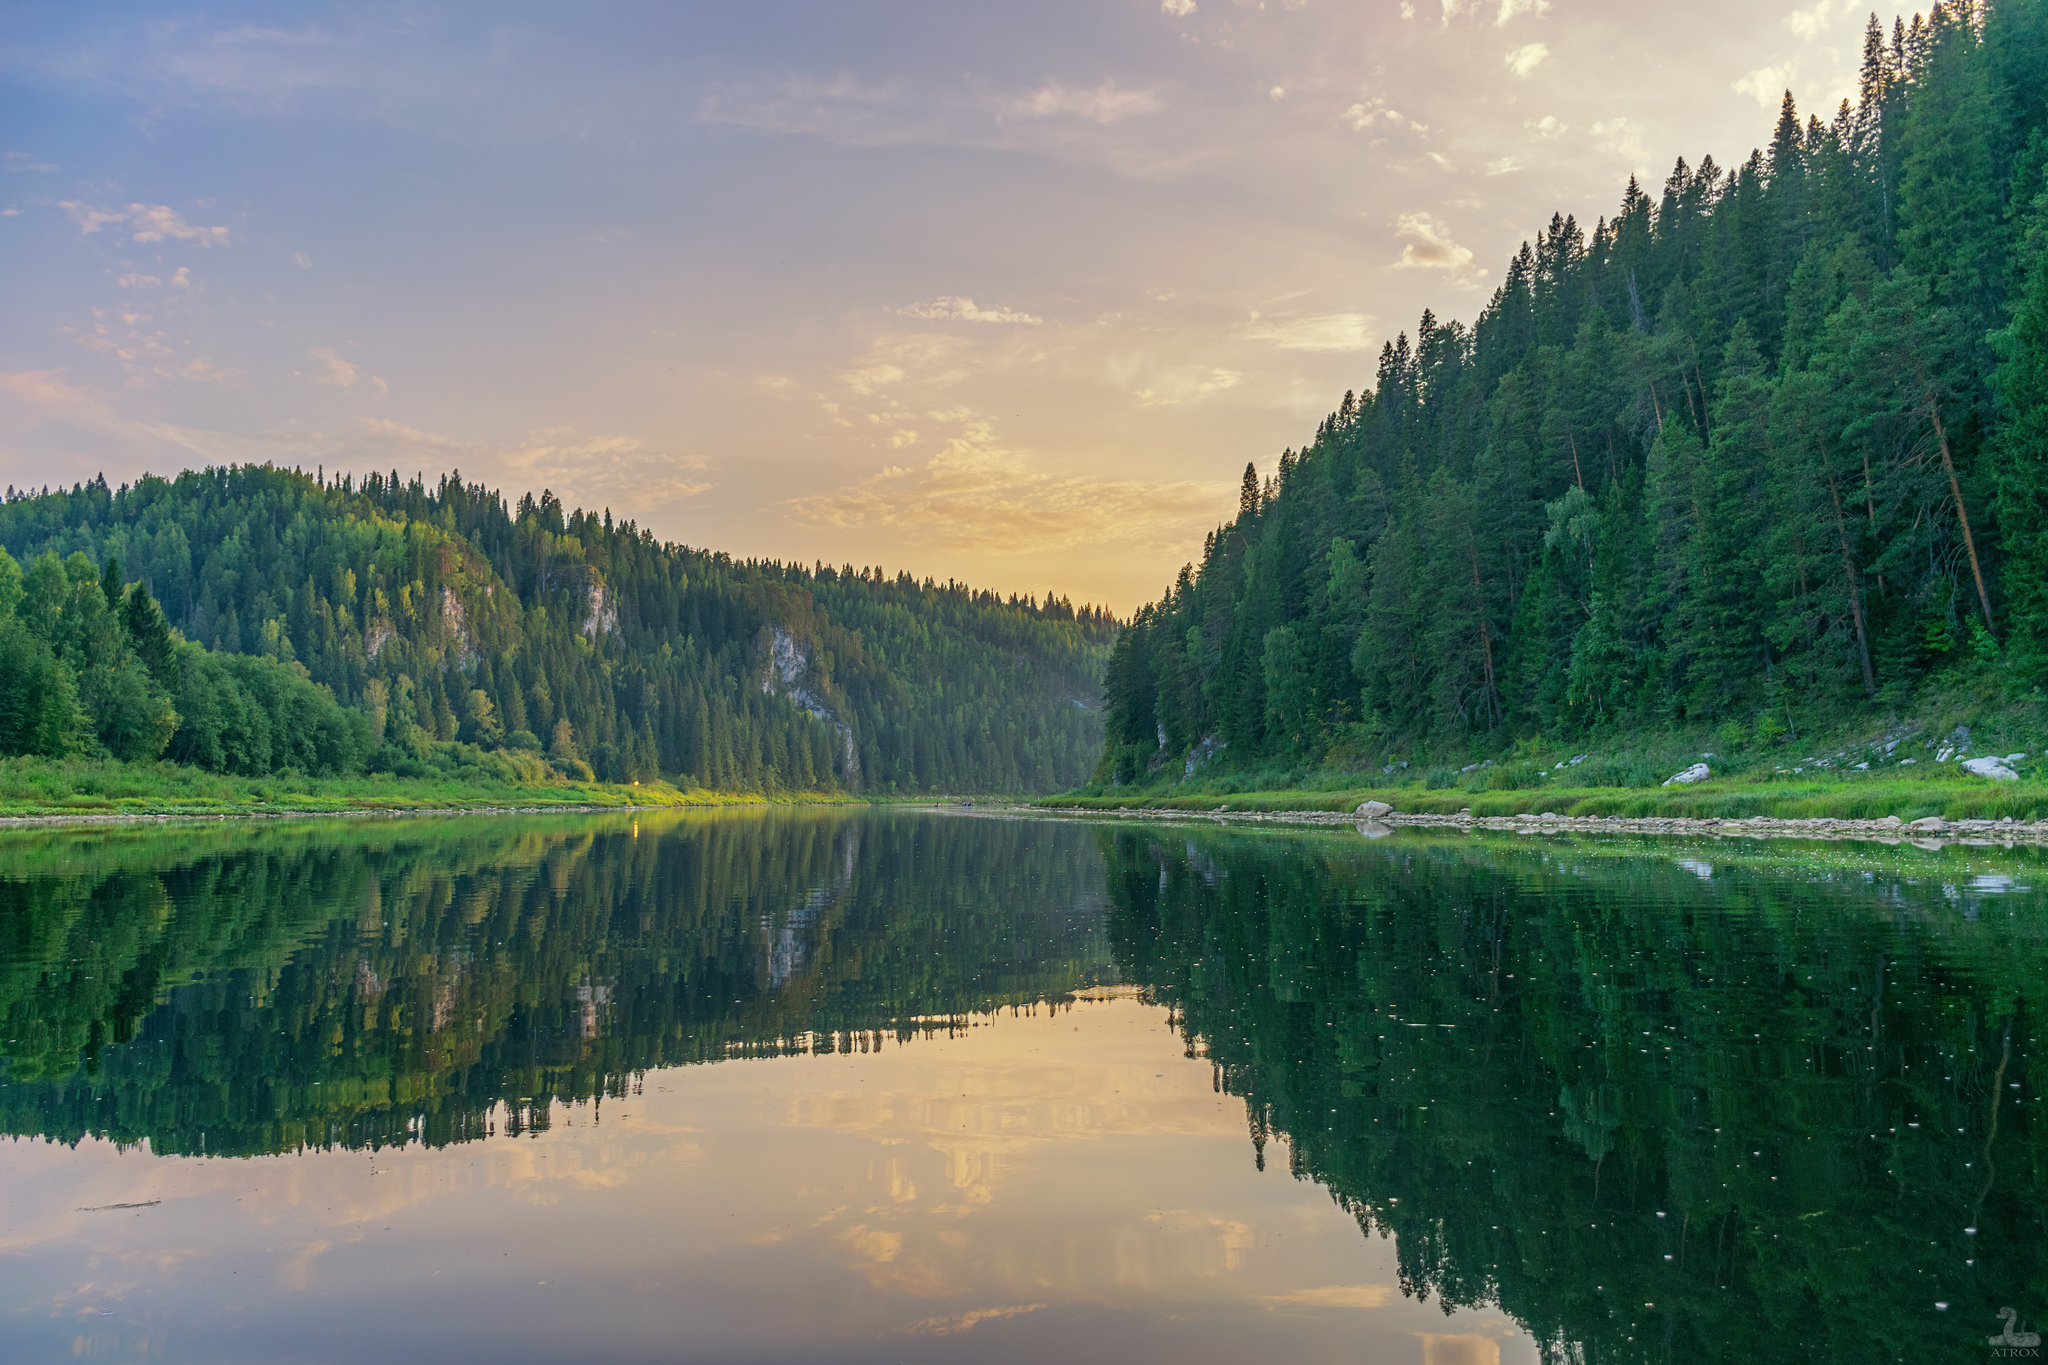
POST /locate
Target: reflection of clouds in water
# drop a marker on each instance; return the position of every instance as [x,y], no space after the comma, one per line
[1231,1238]
[1336,1296]
[941,1219]
[967,1322]
[993,1175]
[1459,1349]
[1004,1111]
[347,1188]
[296,1272]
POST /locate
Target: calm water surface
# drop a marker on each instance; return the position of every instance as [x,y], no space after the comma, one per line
[915,1087]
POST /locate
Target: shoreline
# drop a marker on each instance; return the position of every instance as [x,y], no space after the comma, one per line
[45,820]
[359,813]
[1931,832]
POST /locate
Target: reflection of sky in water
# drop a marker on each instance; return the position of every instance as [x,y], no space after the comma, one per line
[1036,1183]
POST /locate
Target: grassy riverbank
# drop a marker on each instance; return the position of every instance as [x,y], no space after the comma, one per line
[100,787]
[1846,797]
[1908,766]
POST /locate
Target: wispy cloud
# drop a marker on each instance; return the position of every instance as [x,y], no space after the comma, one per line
[345,373]
[1426,245]
[22,161]
[146,223]
[1510,8]
[1363,118]
[1527,58]
[975,494]
[591,470]
[1323,332]
[1179,9]
[1621,137]
[1816,19]
[946,306]
[46,388]
[894,357]
[147,352]
[156,222]
[88,218]
[1105,103]
[1189,385]
[1766,85]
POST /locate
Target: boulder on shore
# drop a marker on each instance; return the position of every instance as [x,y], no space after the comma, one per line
[1373,810]
[1698,772]
[1993,768]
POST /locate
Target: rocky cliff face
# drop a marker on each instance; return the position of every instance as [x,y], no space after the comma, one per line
[600,612]
[789,674]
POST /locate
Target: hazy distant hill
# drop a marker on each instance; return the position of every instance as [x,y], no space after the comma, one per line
[447,617]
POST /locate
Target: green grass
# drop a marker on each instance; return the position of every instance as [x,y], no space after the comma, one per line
[1850,797]
[1847,766]
[56,787]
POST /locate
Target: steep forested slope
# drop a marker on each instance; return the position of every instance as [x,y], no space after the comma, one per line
[450,619]
[1768,447]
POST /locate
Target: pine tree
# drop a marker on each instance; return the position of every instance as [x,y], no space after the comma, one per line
[2021,454]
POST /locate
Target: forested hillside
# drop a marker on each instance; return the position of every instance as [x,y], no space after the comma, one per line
[1766,450]
[460,628]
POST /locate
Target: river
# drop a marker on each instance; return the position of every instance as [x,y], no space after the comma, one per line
[798,1085]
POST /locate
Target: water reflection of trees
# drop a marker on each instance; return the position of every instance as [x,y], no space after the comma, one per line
[1655,1110]
[241,991]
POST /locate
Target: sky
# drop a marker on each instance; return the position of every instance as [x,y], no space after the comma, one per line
[1007,294]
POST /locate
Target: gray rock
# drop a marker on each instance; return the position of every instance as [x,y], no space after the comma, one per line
[1993,768]
[1698,772]
[1373,810]
[1929,822]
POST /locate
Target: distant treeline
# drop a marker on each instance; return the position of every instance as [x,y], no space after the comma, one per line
[1764,448]
[464,630]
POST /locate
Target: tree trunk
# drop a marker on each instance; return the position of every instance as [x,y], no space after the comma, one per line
[1855,592]
[1962,513]
[1485,637]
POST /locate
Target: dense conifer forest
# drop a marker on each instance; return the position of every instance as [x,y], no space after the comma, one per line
[1765,451]
[258,620]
